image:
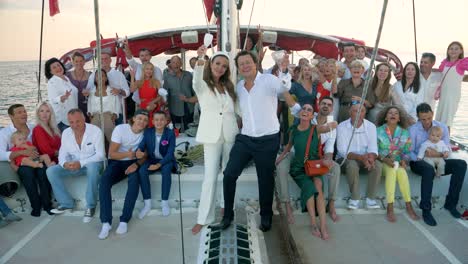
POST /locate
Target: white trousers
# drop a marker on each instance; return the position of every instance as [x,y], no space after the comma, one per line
[216,157]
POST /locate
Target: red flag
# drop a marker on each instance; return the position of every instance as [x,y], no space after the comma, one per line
[53,7]
[209,6]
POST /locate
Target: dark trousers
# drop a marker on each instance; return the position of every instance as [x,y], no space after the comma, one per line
[115,172]
[263,151]
[33,178]
[145,182]
[455,167]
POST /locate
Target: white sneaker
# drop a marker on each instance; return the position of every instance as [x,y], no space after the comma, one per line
[372,204]
[121,229]
[166,210]
[353,204]
[106,228]
[89,215]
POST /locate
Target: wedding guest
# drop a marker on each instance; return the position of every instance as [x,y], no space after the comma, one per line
[361,154]
[408,90]
[218,125]
[159,144]
[62,94]
[429,79]
[394,144]
[81,153]
[123,163]
[455,167]
[259,139]
[79,78]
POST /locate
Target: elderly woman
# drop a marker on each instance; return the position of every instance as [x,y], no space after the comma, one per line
[409,90]
[350,90]
[123,163]
[46,138]
[61,92]
[394,145]
[147,88]
[218,125]
[79,78]
[311,187]
[110,106]
[383,91]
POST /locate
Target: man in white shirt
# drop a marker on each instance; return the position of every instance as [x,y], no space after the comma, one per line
[145,56]
[328,145]
[429,79]
[81,153]
[259,139]
[361,154]
[349,55]
[117,82]
[19,122]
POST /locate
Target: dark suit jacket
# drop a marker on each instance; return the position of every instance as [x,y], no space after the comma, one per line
[166,145]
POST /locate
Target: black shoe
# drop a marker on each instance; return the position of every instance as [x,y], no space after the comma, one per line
[36,213]
[49,212]
[453,211]
[225,223]
[428,218]
[265,224]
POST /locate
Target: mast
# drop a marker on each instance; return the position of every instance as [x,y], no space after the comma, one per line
[228,29]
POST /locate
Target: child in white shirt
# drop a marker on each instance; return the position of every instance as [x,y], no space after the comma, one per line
[435,142]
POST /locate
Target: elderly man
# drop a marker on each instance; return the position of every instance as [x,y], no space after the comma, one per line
[328,145]
[456,167]
[19,122]
[117,82]
[179,85]
[361,154]
[81,153]
[259,139]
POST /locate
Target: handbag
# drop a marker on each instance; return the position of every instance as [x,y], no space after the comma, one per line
[314,167]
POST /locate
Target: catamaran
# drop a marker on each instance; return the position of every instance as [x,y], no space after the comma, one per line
[361,236]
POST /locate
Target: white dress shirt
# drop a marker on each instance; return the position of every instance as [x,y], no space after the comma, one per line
[5,140]
[90,150]
[429,87]
[56,88]
[116,80]
[258,106]
[326,138]
[364,140]
[409,99]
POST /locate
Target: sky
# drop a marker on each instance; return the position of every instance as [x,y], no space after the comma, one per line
[438,22]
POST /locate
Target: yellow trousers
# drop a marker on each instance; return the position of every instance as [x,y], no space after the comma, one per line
[391,177]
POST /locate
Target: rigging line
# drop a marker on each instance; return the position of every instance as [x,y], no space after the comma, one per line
[367,80]
[414,29]
[39,96]
[248,27]
[99,85]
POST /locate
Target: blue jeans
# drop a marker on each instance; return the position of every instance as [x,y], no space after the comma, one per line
[4,209]
[145,182]
[115,172]
[92,171]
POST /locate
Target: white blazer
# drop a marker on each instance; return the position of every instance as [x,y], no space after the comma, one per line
[218,113]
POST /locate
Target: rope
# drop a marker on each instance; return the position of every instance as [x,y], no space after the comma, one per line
[414,29]
[368,76]
[248,27]
[186,159]
[39,96]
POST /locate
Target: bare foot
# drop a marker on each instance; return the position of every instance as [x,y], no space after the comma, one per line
[391,217]
[290,213]
[324,231]
[196,229]
[412,214]
[316,231]
[332,214]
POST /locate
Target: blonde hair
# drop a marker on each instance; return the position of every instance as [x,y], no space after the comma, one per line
[357,63]
[436,129]
[301,74]
[153,81]
[51,126]
[15,135]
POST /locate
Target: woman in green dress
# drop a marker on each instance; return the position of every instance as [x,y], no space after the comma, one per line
[311,187]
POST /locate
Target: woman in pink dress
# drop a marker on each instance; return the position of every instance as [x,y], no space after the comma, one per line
[449,91]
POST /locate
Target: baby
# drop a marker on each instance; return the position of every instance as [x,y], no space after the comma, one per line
[20,143]
[435,142]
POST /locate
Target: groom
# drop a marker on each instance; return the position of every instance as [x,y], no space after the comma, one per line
[259,138]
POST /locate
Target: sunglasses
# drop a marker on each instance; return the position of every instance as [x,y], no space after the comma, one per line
[308,109]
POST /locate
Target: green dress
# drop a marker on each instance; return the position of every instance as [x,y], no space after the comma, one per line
[305,182]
